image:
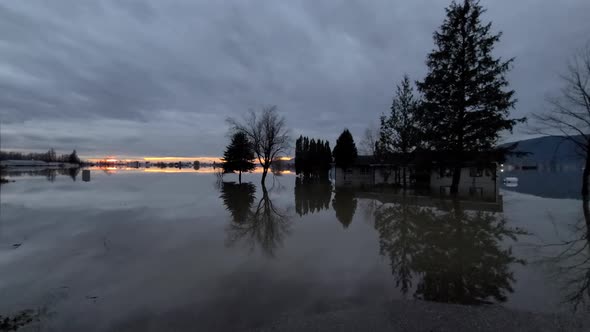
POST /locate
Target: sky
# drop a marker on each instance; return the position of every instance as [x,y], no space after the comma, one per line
[159,78]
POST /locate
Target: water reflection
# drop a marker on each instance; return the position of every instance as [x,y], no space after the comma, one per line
[49,173]
[344,204]
[238,199]
[571,261]
[453,255]
[262,225]
[312,195]
[566,184]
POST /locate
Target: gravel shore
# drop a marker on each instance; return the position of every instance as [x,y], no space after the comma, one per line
[431,317]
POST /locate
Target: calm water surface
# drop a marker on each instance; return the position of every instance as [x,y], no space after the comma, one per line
[135,250]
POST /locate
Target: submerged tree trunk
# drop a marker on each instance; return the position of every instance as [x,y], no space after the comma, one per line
[586,209]
[264,172]
[404,175]
[585,176]
[456,179]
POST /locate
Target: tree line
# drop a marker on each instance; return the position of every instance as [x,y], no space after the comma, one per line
[49,156]
[457,111]
[313,157]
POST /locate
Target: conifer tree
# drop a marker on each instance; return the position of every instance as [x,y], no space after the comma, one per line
[466,94]
[345,151]
[239,155]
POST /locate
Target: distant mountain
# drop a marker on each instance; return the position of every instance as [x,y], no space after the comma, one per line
[546,150]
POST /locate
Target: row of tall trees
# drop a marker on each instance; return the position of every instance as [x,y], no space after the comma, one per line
[464,100]
[49,156]
[312,157]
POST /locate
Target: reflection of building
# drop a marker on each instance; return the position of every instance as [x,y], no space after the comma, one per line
[429,199]
[477,179]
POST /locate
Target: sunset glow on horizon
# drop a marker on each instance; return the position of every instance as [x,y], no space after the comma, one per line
[170,159]
[155,159]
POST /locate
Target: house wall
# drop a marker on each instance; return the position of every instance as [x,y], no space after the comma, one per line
[380,172]
[486,185]
[354,176]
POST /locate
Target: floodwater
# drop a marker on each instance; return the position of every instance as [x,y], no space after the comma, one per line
[147,250]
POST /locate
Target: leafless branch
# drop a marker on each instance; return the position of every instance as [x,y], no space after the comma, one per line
[268,133]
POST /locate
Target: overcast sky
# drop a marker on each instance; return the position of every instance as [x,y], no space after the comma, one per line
[160,77]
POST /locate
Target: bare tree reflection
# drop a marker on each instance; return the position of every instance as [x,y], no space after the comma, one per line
[264,225]
[572,263]
[453,255]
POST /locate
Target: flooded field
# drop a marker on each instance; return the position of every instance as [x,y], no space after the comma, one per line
[141,249]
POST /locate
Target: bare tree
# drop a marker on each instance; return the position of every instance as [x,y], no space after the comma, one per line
[267,132]
[570,111]
[370,138]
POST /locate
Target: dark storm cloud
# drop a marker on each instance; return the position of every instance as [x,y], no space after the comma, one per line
[160,77]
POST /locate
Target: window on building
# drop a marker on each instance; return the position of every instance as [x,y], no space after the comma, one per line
[365,170]
[446,172]
[349,171]
[475,172]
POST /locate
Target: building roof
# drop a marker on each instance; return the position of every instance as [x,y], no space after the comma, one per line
[364,160]
[429,157]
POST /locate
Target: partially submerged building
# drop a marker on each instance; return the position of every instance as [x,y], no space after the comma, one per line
[479,178]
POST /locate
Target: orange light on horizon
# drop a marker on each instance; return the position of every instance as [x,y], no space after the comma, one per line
[169,159]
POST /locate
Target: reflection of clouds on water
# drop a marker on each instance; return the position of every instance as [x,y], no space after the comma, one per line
[172,234]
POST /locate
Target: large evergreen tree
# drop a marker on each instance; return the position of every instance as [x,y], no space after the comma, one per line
[400,131]
[73,158]
[239,155]
[467,99]
[345,151]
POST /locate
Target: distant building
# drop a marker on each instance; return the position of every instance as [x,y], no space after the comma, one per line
[477,179]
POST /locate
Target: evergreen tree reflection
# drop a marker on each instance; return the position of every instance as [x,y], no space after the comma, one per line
[238,199]
[344,204]
[312,195]
[453,255]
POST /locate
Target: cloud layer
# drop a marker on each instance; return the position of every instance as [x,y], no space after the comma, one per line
[160,77]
